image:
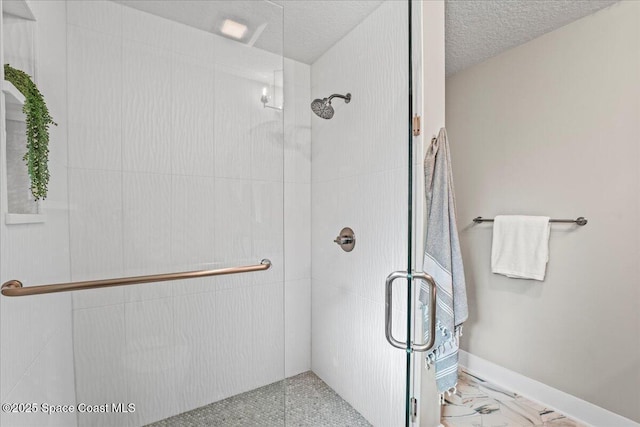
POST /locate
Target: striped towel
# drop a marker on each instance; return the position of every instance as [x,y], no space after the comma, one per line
[443,262]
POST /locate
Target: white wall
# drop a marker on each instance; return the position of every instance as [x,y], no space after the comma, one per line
[36,350]
[552,128]
[174,165]
[359,169]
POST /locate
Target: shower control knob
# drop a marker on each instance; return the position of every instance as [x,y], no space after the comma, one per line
[343,240]
[346,239]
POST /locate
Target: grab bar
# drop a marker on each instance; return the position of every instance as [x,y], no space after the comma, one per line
[14,288]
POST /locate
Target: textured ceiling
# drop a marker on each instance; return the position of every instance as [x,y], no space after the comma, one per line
[479,29]
[475,29]
[209,16]
[310,26]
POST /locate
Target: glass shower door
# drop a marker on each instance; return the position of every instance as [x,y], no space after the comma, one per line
[404,285]
[175,146]
[362,178]
[176,164]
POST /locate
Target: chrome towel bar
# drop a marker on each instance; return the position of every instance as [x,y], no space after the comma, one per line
[580,220]
[14,288]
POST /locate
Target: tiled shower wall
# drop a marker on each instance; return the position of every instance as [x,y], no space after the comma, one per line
[359,174]
[36,358]
[174,164]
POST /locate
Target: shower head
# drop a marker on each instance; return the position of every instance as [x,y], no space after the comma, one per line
[322,107]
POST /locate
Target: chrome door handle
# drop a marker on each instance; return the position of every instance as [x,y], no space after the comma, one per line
[389,310]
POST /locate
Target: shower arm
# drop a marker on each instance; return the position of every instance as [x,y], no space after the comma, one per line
[347,97]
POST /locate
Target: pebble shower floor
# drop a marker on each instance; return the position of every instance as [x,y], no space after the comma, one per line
[310,402]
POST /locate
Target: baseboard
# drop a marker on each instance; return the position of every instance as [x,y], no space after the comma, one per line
[571,406]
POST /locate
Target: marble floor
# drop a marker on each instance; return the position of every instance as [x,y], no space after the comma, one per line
[310,402]
[478,403]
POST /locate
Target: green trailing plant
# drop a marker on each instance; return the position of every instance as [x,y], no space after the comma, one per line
[37,122]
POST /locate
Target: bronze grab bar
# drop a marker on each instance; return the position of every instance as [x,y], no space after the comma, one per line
[14,288]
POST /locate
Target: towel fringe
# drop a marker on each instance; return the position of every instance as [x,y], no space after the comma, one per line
[451,340]
[451,343]
[448,392]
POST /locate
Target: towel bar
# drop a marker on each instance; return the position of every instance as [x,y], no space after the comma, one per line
[580,220]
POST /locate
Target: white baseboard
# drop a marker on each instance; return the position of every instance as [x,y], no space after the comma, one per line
[571,406]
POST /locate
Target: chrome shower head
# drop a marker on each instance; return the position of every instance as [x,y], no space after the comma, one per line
[322,107]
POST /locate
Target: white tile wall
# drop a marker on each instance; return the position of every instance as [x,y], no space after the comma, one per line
[267,217]
[100,15]
[196,350]
[27,327]
[187,172]
[150,359]
[148,29]
[233,106]
[234,236]
[192,228]
[382,366]
[47,379]
[192,125]
[297,170]
[334,309]
[146,221]
[99,341]
[146,106]
[297,217]
[359,180]
[267,333]
[297,310]
[297,123]
[250,63]
[18,43]
[266,133]
[36,355]
[95,119]
[96,242]
[196,44]
[233,321]
[297,231]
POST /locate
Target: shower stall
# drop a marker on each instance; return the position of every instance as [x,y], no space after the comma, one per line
[193,205]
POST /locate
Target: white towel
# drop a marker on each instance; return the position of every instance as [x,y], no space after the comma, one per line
[520,246]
